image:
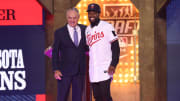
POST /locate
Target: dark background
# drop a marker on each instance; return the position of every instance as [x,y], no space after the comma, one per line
[173,50]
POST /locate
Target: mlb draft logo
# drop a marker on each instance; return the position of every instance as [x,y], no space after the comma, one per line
[124,17]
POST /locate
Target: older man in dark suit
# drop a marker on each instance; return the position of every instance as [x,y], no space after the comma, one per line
[70,65]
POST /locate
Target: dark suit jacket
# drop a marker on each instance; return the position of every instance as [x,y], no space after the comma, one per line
[72,59]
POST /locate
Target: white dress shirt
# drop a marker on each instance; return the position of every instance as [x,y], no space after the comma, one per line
[71,32]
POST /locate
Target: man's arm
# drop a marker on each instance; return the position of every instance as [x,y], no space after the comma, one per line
[115,56]
[55,51]
[55,57]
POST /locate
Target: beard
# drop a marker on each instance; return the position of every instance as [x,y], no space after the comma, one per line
[94,22]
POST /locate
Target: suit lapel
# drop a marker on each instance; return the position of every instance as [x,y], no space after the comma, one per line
[68,36]
[81,35]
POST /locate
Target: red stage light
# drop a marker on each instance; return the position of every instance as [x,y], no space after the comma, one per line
[41,97]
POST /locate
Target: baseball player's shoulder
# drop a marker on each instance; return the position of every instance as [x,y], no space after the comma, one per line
[88,28]
[106,24]
[103,22]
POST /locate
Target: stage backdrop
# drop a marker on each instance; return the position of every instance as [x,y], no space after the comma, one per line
[22,38]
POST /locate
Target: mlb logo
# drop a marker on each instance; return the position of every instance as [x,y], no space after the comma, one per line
[123,41]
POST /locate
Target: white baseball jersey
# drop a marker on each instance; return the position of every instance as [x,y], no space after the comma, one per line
[99,40]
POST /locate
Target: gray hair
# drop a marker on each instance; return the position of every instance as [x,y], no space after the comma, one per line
[72,9]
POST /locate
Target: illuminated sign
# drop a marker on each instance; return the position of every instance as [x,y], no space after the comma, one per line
[123,18]
[20,12]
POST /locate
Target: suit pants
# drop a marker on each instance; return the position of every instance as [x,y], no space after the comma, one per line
[101,90]
[64,84]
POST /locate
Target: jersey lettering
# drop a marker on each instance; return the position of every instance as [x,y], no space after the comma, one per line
[94,38]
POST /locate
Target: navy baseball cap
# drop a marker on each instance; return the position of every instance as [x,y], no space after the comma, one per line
[94,7]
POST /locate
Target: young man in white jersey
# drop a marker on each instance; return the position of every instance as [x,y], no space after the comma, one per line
[103,53]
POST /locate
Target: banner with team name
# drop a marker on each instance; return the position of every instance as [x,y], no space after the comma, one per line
[22,40]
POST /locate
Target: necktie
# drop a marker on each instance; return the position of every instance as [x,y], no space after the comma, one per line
[75,37]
